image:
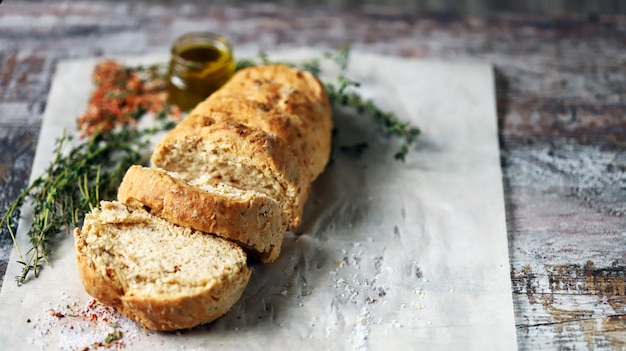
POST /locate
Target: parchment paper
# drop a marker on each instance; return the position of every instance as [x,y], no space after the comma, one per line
[390,254]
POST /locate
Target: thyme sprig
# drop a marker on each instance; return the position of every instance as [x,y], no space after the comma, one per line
[342,92]
[387,122]
[73,184]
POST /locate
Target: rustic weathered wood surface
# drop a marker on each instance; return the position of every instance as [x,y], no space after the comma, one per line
[561,89]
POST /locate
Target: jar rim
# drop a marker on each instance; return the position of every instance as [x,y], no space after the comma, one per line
[216,40]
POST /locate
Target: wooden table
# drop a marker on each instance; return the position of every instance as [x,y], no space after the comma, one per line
[561,92]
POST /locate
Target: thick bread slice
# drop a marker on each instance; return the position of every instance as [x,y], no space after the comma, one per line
[250,218]
[242,157]
[280,92]
[163,276]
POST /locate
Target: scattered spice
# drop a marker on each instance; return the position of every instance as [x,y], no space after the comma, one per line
[122,95]
[95,327]
[57,314]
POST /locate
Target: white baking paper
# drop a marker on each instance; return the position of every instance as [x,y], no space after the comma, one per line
[390,255]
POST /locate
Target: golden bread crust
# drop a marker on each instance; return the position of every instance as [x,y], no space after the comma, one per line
[252,219]
[182,312]
[284,101]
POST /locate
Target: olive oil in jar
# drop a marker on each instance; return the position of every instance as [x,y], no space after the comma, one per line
[200,64]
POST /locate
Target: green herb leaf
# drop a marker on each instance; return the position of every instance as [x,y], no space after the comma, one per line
[116,335]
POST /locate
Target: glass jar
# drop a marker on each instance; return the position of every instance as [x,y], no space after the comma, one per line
[200,64]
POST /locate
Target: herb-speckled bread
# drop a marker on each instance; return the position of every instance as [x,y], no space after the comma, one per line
[252,219]
[283,101]
[161,275]
[269,129]
[235,173]
[240,156]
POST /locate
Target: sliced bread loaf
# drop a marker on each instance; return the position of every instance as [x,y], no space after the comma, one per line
[163,276]
[250,218]
[241,157]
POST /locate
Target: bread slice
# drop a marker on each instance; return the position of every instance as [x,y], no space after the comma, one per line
[163,276]
[250,218]
[242,157]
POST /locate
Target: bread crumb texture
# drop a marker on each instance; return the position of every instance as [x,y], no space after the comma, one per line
[240,167]
[241,157]
[250,218]
[163,276]
[268,129]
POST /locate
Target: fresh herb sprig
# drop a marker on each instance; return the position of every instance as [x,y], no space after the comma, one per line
[73,184]
[387,122]
[113,336]
[342,92]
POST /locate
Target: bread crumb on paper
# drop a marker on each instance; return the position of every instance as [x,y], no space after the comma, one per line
[86,325]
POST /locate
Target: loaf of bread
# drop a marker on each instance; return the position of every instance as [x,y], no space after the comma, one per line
[161,275]
[233,176]
[251,219]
